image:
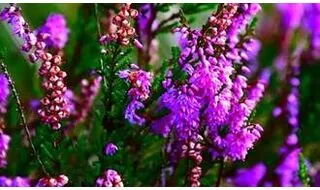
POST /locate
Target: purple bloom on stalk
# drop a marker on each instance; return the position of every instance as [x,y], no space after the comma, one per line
[249,177]
[288,169]
[56,27]
[184,113]
[14,181]
[110,178]
[110,149]
[12,15]
[4,93]
[213,95]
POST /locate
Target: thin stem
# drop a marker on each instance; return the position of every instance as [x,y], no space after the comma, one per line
[96,13]
[220,173]
[23,118]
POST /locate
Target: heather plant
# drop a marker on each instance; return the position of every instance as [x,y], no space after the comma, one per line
[153,94]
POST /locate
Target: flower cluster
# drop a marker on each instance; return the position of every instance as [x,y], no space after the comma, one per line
[54,106]
[110,178]
[216,96]
[123,32]
[14,181]
[56,27]
[58,181]
[140,82]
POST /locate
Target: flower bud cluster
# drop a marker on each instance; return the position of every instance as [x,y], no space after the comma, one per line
[58,181]
[110,178]
[122,31]
[54,106]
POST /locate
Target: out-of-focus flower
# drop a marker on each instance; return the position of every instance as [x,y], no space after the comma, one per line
[81,105]
[14,181]
[249,177]
[56,27]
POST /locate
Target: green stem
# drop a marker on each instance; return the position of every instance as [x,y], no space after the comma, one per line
[23,118]
[220,173]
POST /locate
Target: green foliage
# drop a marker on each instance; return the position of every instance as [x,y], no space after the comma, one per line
[303,171]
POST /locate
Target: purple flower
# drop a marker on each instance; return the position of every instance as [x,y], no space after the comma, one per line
[110,178]
[12,15]
[249,177]
[56,27]
[140,82]
[213,95]
[311,23]
[14,181]
[131,115]
[110,149]
[184,113]
[4,93]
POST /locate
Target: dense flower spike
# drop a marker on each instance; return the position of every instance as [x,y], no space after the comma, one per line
[56,27]
[14,181]
[54,106]
[215,95]
[4,93]
[123,31]
[58,181]
[110,178]
[82,104]
[140,82]
[110,149]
